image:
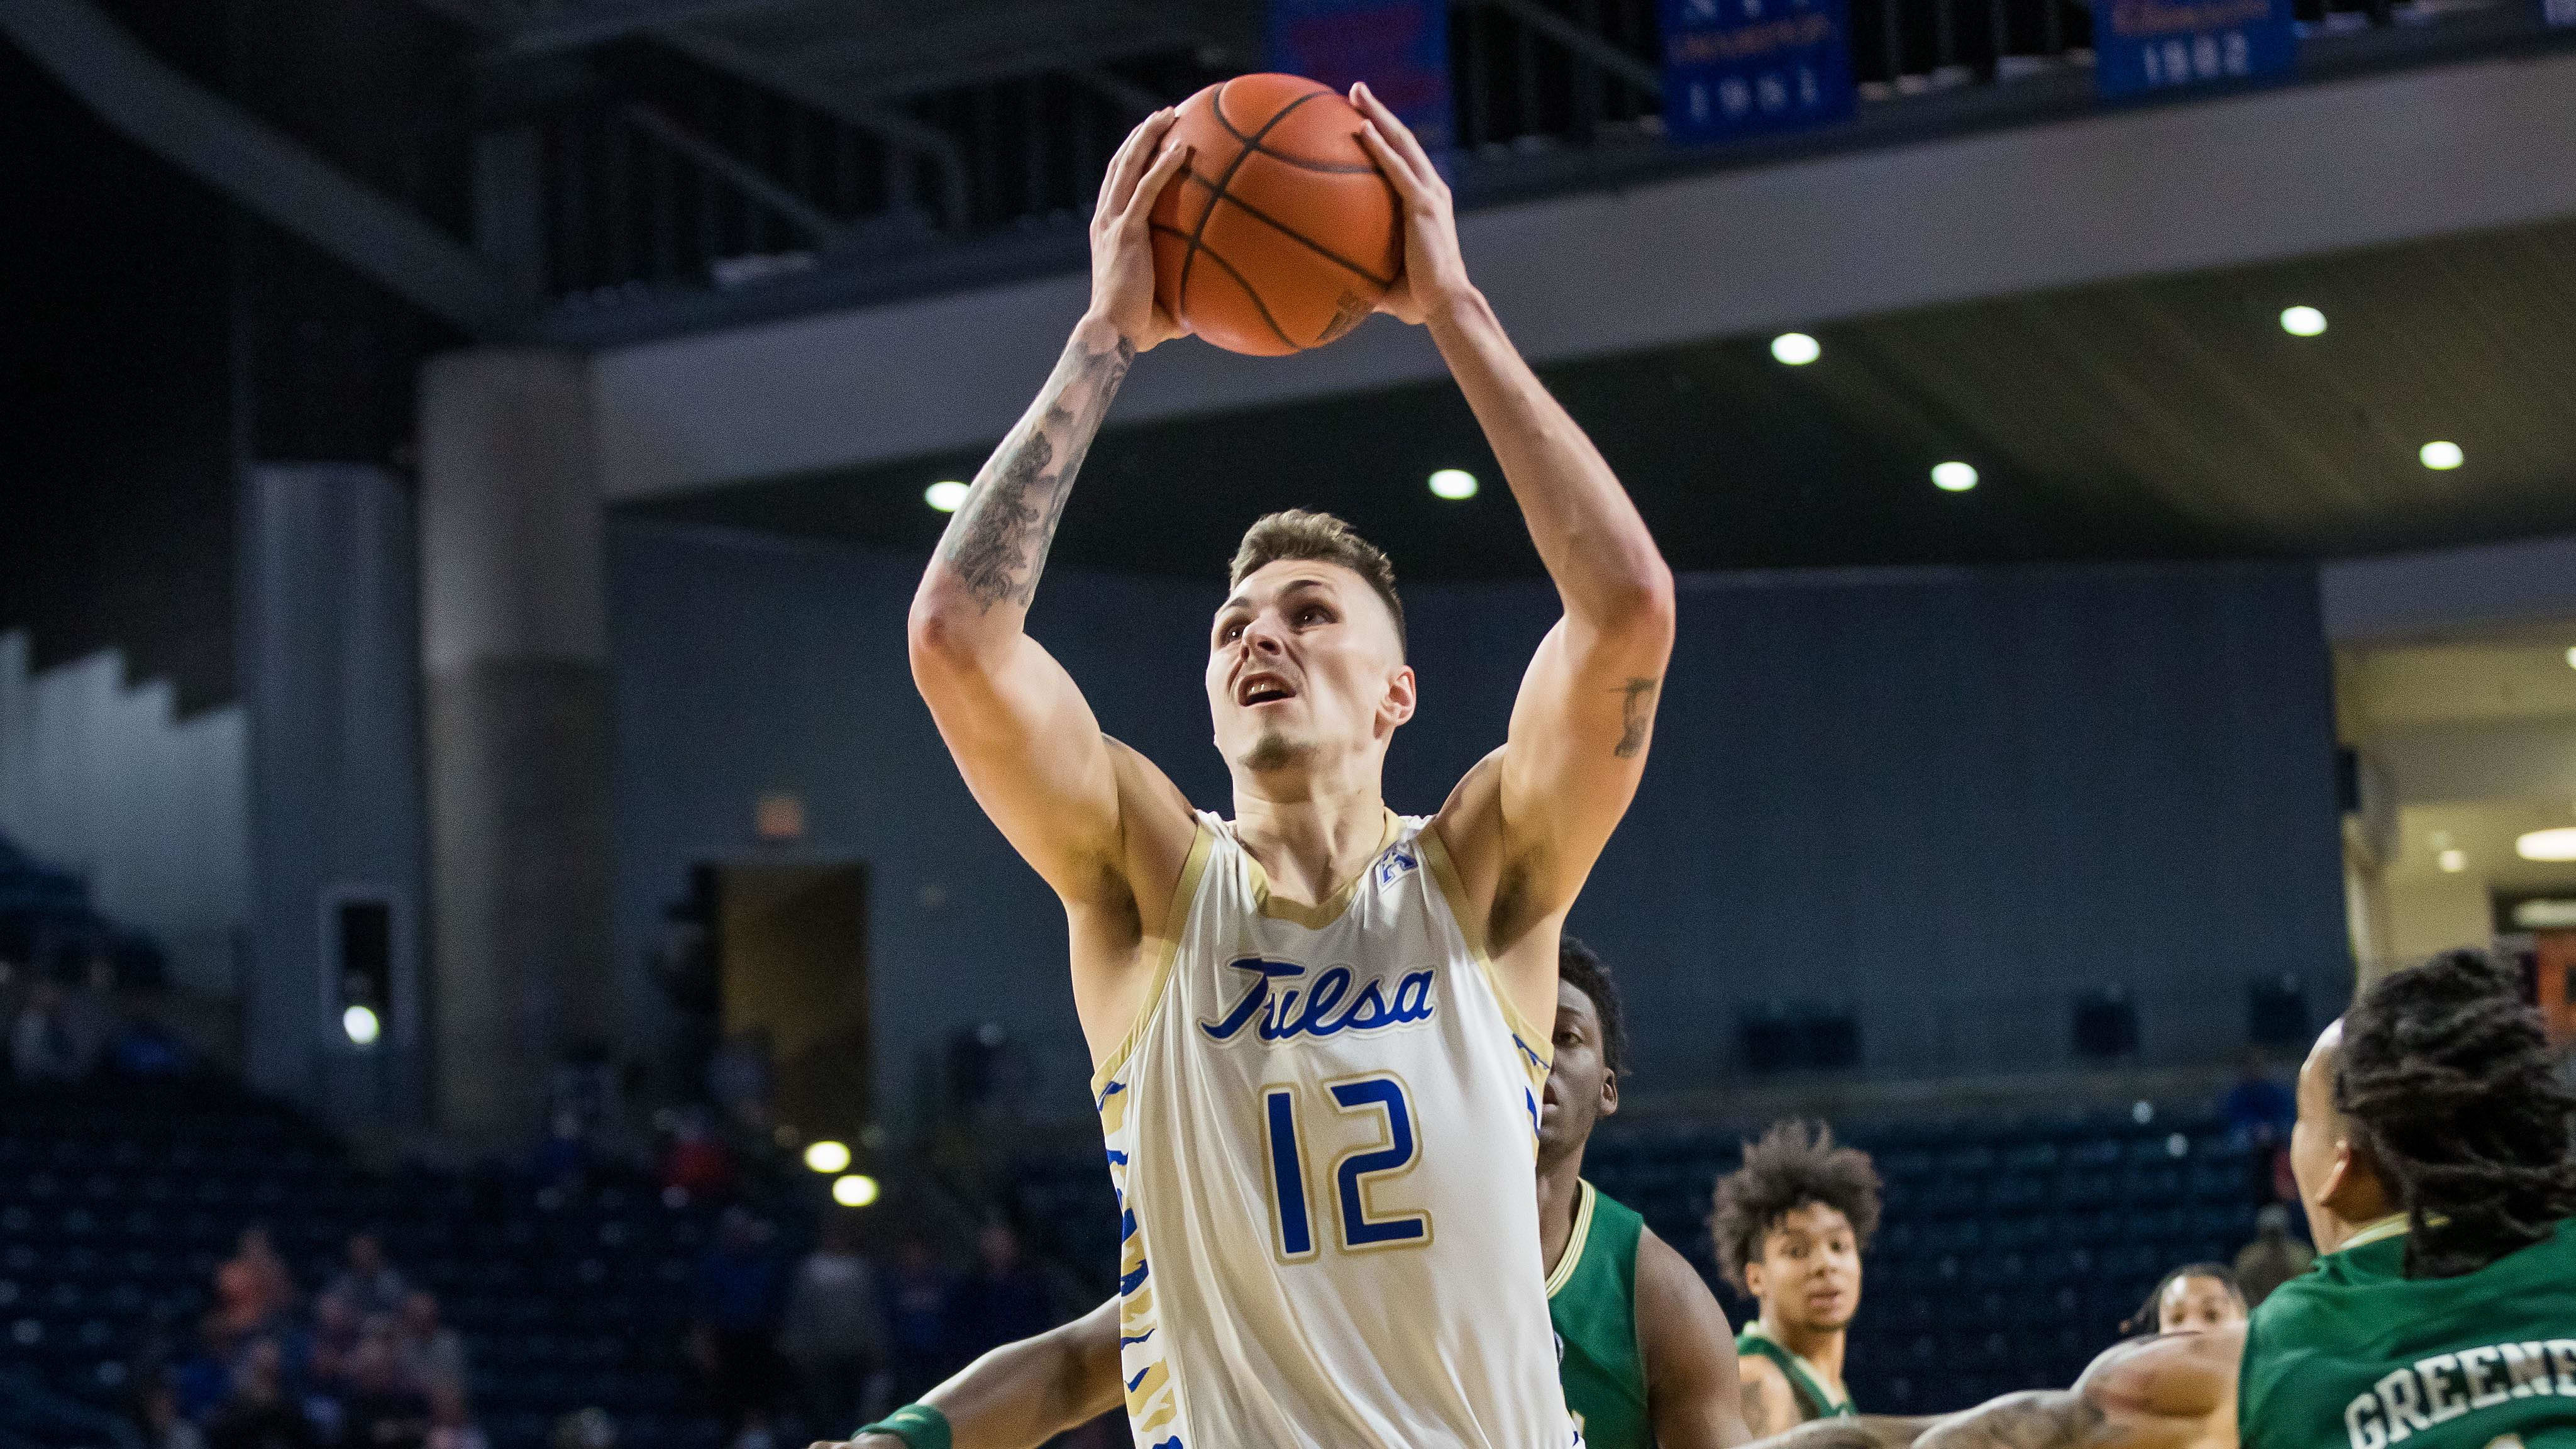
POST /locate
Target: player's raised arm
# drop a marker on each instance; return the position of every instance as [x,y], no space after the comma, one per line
[1020,730]
[1586,706]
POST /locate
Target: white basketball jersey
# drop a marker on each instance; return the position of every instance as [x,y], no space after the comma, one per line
[1323,1130]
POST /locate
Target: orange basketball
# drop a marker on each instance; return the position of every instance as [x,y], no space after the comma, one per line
[1280,234]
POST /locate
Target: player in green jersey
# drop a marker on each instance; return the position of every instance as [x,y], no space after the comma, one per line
[1790,1225]
[2436,1152]
[1642,1347]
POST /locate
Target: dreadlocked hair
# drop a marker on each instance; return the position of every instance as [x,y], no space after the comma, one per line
[1795,1163]
[1578,967]
[2449,1083]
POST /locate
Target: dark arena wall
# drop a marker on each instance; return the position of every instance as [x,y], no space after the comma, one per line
[1950,799]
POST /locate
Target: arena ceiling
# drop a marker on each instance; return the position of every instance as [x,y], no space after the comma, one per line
[2163,418]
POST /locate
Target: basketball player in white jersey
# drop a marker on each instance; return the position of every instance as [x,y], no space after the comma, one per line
[1317,1074]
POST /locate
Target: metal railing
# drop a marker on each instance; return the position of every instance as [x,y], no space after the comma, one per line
[684,184]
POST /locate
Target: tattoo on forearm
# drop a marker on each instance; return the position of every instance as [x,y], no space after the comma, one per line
[997,544]
[2040,1420]
[1637,716]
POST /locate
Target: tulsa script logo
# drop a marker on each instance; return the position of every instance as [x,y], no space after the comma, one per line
[1328,1007]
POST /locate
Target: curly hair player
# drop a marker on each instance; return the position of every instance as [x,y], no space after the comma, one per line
[1644,1353]
[2436,1153]
[1790,1225]
[1315,1070]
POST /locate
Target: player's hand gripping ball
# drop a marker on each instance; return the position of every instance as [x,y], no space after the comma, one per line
[1279,233]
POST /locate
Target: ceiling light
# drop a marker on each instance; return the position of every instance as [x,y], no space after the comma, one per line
[2441,457]
[947,495]
[2571,658]
[1953,477]
[2558,844]
[856,1190]
[827,1156]
[1455,484]
[1797,349]
[2545,915]
[2452,861]
[2302,321]
[361,1024]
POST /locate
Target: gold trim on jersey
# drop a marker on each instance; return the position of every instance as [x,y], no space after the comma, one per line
[2378,1230]
[1539,1045]
[1176,923]
[1326,911]
[1565,1265]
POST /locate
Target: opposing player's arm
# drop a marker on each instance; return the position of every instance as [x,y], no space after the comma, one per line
[1692,1389]
[1769,1405]
[1587,705]
[1020,730]
[1022,1394]
[2177,1391]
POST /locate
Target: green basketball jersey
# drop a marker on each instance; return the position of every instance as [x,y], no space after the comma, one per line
[2353,1354]
[1813,1401]
[1592,1299]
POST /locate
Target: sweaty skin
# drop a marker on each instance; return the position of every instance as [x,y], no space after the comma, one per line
[1020,1395]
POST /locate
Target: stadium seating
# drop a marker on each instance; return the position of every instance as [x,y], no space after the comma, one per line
[117,1203]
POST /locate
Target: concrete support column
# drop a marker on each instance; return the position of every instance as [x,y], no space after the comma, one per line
[515,657]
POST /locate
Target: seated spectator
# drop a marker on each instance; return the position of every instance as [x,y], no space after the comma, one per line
[43,1046]
[260,1414]
[695,1162]
[835,1330]
[204,1379]
[157,1415]
[1007,1299]
[432,1354]
[918,1338]
[336,1331]
[2273,1258]
[253,1289]
[369,1283]
[450,1427]
[2259,1108]
[735,1324]
[378,1409]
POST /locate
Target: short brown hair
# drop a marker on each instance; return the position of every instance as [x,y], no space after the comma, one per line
[1302,534]
[1793,1165]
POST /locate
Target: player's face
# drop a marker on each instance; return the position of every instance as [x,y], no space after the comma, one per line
[1809,1275]
[1581,1088]
[2192,1304]
[1303,662]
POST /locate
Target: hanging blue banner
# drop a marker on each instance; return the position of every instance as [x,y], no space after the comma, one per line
[1400,47]
[1742,67]
[2154,45]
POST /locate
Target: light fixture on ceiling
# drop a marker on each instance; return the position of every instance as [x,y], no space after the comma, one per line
[854,1191]
[1796,349]
[2452,861]
[2571,658]
[1954,476]
[947,495]
[827,1156]
[2441,456]
[362,1026]
[1455,484]
[2548,913]
[2555,844]
[2302,321]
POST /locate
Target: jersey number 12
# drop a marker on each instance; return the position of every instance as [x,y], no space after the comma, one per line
[1395,1151]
